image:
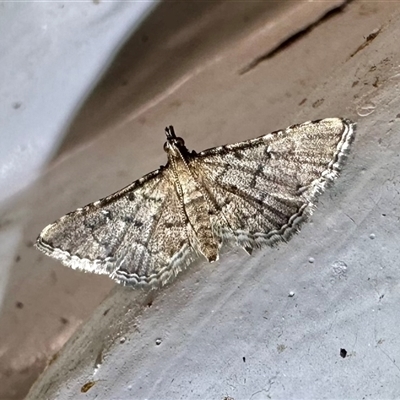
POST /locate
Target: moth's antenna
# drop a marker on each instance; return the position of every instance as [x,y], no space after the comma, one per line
[170,132]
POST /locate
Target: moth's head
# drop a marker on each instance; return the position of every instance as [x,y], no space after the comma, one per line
[173,144]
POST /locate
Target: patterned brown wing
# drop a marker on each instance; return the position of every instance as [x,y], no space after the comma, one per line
[137,235]
[263,188]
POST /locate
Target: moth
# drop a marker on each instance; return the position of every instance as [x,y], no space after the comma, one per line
[250,194]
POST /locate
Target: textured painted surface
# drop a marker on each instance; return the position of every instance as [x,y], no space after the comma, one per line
[272,324]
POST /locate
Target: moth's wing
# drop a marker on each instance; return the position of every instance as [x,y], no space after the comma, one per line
[137,235]
[264,188]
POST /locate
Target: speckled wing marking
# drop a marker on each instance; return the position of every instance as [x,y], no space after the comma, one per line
[264,188]
[137,235]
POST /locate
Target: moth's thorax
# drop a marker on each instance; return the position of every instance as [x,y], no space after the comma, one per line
[195,205]
[173,148]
